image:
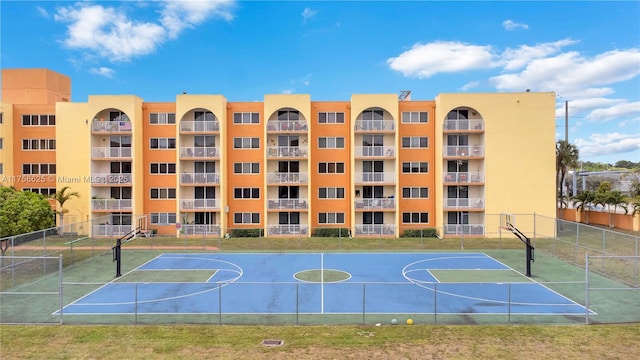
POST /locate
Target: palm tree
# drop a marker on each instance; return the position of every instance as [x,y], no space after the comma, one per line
[567,156]
[62,196]
[636,207]
[613,199]
[583,202]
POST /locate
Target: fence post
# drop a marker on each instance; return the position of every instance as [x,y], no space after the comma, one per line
[586,288]
[61,287]
[435,303]
[364,311]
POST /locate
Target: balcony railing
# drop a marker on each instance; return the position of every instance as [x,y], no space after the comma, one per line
[110,152]
[375,125]
[287,178]
[287,229]
[464,124]
[111,126]
[464,203]
[110,230]
[199,126]
[199,178]
[463,177]
[199,152]
[375,151]
[287,151]
[376,203]
[199,204]
[464,229]
[287,204]
[200,229]
[375,177]
[111,179]
[287,126]
[375,229]
[111,204]
[464,151]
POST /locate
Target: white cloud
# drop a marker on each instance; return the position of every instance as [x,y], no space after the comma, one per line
[469,86]
[426,60]
[512,25]
[609,143]
[308,13]
[617,111]
[518,58]
[43,12]
[103,71]
[180,14]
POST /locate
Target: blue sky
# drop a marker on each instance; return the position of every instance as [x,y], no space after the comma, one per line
[587,52]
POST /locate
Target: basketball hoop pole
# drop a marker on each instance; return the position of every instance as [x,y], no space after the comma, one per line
[117,252]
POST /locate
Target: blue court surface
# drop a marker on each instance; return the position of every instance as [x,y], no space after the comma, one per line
[333,283]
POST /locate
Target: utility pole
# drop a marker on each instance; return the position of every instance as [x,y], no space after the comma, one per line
[566,121]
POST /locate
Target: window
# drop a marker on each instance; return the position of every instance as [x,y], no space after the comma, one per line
[34,169]
[163,168]
[415,192]
[125,192]
[121,167]
[331,117]
[415,217]
[1,117]
[415,167]
[331,193]
[331,218]
[415,116]
[162,143]
[1,168]
[372,115]
[246,143]
[331,143]
[246,118]
[0,143]
[44,191]
[246,218]
[121,219]
[288,115]
[289,218]
[162,118]
[246,193]
[369,218]
[331,168]
[163,193]
[38,120]
[203,116]
[415,142]
[38,144]
[246,168]
[163,218]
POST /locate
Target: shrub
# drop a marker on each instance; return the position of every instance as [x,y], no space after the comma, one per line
[247,233]
[428,232]
[331,232]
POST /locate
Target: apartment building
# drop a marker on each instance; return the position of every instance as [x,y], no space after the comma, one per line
[377,164]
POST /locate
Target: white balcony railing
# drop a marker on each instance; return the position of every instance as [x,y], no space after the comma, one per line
[464,203]
[287,151]
[111,126]
[464,150]
[199,204]
[287,229]
[110,152]
[111,179]
[287,126]
[200,229]
[463,177]
[199,126]
[464,124]
[464,229]
[199,152]
[111,204]
[287,178]
[375,229]
[375,151]
[376,203]
[375,177]
[199,178]
[110,230]
[375,125]
[287,204]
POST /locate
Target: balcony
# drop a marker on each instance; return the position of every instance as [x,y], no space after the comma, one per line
[463,151]
[199,204]
[473,125]
[375,229]
[375,204]
[464,229]
[200,229]
[199,126]
[375,177]
[375,151]
[287,204]
[110,230]
[464,203]
[287,178]
[291,126]
[281,152]
[199,178]
[111,204]
[111,179]
[375,126]
[110,127]
[464,177]
[110,153]
[199,152]
[287,229]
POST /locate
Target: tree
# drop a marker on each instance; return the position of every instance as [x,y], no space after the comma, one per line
[612,200]
[636,207]
[567,156]
[583,202]
[62,196]
[23,211]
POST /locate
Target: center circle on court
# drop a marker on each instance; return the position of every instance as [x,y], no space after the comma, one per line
[322,276]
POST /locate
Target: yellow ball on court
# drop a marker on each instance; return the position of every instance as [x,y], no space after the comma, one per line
[409,322]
